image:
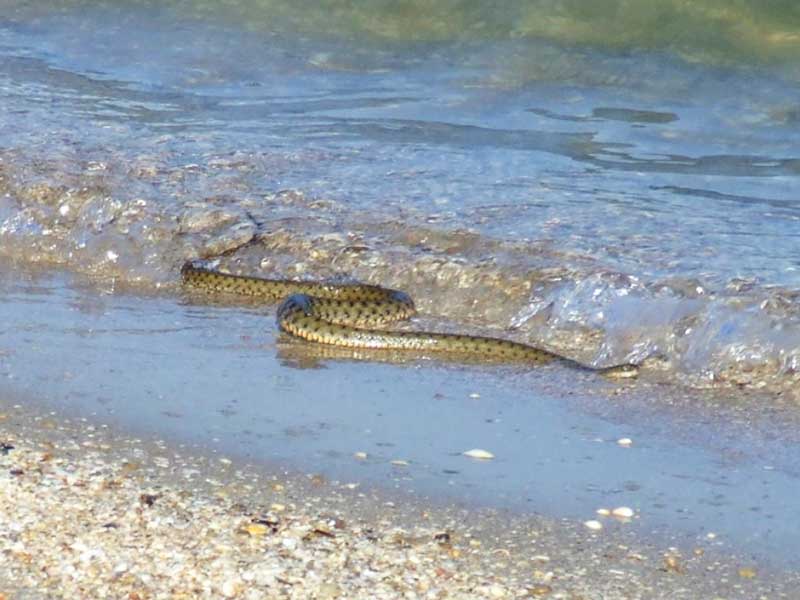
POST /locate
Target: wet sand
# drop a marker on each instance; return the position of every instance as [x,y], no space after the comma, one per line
[215,375]
[90,512]
[262,464]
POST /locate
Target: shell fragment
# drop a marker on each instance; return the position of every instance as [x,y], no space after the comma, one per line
[479,454]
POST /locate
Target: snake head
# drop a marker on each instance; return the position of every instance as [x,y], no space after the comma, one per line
[294,303]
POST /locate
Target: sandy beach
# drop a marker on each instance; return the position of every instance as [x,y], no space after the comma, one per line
[90,513]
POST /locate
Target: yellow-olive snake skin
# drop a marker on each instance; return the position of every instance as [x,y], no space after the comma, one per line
[347,314]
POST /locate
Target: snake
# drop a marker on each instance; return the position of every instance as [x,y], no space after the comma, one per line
[353,315]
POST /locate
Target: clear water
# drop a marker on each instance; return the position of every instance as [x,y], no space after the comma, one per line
[161,367]
[613,182]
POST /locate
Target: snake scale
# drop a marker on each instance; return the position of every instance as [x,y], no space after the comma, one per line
[351,315]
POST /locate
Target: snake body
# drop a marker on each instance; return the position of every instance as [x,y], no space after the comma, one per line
[348,314]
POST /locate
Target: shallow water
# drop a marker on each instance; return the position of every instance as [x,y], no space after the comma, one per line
[221,378]
[613,185]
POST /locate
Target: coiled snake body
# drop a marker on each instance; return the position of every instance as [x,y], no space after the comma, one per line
[348,314]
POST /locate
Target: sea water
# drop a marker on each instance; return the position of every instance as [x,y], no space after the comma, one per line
[615,181]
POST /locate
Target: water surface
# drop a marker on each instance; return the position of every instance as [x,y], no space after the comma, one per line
[222,379]
[613,182]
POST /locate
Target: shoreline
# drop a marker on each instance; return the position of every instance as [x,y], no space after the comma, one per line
[211,378]
[92,513]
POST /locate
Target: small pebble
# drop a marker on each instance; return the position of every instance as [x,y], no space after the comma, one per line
[593,525]
[603,512]
[230,589]
[541,558]
[497,591]
[543,576]
[479,454]
[289,543]
[672,563]
[747,573]
[475,395]
[625,442]
[328,591]
[360,455]
[400,463]
[623,512]
[541,589]
[120,568]
[256,529]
